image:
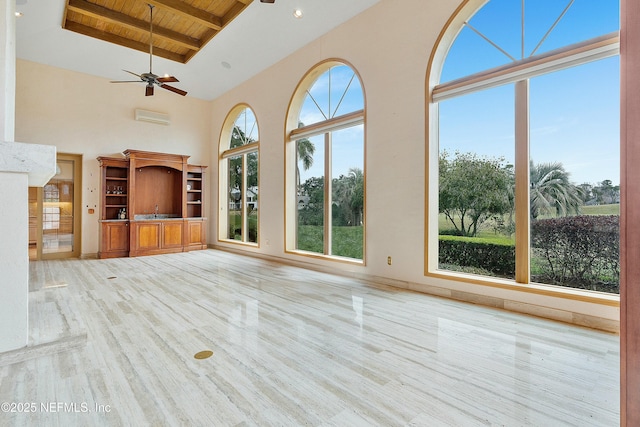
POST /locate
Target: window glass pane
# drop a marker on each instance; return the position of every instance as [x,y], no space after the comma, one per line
[57,215]
[347,191]
[234,165]
[584,20]
[493,36]
[311,200]
[471,53]
[476,183]
[245,129]
[336,92]
[252,197]
[575,184]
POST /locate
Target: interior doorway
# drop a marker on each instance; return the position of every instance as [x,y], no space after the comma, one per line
[55,212]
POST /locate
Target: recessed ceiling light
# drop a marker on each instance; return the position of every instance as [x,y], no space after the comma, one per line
[297,13]
[225,64]
[19,14]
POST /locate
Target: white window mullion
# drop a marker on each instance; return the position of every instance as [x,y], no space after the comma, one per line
[327,193]
[522,181]
[571,56]
[243,208]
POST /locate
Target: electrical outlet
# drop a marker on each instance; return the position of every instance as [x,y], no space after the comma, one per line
[389,261]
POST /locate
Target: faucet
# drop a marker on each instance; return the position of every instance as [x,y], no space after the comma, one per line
[156,215]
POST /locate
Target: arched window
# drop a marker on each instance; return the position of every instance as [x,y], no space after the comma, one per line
[523,149]
[239,178]
[325,195]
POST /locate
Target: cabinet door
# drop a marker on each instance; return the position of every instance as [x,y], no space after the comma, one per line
[196,238]
[195,232]
[148,235]
[114,240]
[172,234]
[117,237]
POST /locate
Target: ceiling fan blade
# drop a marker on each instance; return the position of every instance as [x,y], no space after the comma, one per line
[149,78]
[173,89]
[131,72]
[167,79]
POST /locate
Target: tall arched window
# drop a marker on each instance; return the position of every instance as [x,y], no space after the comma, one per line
[325,194]
[523,149]
[239,178]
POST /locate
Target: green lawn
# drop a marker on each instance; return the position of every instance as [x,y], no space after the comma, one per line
[601,210]
[487,229]
[347,241]
[235,225]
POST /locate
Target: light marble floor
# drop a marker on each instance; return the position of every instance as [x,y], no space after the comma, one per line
[291,347]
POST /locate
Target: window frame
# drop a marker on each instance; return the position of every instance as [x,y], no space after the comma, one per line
[224,154]
[323,128]
[519,72]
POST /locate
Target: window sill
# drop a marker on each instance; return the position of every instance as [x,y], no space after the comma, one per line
[239,242]
[595,297]
[316,255]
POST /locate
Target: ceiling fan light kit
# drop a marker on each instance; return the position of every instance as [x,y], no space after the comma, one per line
[151,80]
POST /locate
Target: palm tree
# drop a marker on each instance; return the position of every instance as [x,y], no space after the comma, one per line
[551,191]
[356,180]
[304,152]
[348,194]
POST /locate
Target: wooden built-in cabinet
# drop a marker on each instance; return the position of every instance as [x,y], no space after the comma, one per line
[162,209]
[195,236]
[114,223]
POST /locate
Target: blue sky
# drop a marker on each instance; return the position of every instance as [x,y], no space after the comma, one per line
[574,113]
[334,94]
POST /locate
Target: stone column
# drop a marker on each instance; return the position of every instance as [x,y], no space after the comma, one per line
[21,166]
[7,69]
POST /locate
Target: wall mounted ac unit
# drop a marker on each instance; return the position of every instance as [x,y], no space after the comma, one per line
[152,117]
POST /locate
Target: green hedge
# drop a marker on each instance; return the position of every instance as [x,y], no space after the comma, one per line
[488,254]
[578,251]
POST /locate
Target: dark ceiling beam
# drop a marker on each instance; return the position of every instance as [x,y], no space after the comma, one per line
[112,38]
[107,15]
[200,16]
[233,12]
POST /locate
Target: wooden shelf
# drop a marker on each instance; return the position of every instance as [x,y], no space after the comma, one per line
[114,234]
[151,183]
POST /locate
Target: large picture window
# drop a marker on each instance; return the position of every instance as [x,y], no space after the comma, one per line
[239,187]
[325,164]
[524,145]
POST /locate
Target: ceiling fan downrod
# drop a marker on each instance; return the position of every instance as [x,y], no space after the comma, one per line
[150,38]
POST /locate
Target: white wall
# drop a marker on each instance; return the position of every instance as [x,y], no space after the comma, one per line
[389,45]
[82,114]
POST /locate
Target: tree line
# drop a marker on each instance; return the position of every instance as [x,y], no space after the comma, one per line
[347,200]
[475,189]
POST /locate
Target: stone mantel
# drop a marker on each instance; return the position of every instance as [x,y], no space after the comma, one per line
[37,161]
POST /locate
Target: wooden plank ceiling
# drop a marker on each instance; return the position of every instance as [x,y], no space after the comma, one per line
[180,27]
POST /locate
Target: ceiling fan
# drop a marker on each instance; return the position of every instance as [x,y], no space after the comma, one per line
[149,78]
